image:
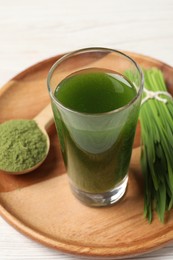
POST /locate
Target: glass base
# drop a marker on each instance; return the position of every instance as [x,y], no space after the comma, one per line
[101,199]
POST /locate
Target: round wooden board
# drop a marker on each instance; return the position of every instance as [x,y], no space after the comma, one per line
[40,204]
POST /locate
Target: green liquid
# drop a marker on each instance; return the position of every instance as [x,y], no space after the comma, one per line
[93,91]
[96,147]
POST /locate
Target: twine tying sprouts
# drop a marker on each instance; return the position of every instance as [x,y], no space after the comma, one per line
[155,95]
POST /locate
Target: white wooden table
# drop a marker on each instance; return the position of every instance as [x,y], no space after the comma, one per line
[33,30]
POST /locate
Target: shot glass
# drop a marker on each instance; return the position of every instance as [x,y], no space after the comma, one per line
[96,144]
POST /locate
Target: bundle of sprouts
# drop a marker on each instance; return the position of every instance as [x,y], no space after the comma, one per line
[156,120]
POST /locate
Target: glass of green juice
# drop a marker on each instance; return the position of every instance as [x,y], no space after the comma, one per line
[96,109]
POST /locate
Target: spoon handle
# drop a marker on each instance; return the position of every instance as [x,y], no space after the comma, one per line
[45,118]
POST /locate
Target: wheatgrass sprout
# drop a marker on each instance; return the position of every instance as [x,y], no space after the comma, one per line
[156,119]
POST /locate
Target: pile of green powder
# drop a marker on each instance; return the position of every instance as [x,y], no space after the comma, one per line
[22,145]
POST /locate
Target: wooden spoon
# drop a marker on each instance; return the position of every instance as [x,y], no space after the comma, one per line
[44,119]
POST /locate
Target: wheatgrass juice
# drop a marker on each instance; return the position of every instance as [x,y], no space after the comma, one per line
[96,144]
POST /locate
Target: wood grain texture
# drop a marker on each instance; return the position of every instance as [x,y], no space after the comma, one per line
[41,205]
[35,30]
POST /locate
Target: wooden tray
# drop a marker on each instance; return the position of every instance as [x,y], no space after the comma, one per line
[40,204]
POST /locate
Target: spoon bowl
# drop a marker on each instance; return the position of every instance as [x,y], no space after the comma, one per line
[43,120]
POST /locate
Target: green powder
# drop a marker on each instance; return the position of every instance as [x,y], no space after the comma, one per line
[22,145]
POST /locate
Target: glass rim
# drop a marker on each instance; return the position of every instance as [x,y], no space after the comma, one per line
[83,50]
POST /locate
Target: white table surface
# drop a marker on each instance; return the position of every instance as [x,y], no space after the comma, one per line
[33,30]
